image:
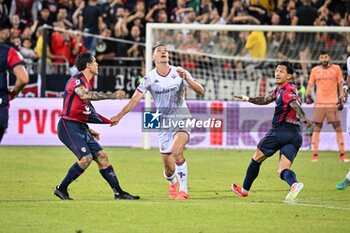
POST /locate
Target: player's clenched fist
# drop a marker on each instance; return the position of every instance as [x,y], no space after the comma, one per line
[181,72]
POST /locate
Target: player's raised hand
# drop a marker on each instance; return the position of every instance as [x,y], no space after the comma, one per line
[243,98]
[95,134]
[120,95]
[181,72]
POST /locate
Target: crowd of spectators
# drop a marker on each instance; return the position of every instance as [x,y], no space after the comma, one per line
[126,20]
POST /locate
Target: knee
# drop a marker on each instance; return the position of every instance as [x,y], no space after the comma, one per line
[85,161]
[336,126]
[178,154]
[102,155]
[318,127]
[259,156]
[102,158]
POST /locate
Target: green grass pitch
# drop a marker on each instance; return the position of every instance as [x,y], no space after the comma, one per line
[29,174]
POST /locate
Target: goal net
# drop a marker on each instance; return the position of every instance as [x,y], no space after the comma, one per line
[239,59]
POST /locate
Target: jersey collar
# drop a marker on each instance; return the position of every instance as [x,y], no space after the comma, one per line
[83,77]
[283,85]
[164,76]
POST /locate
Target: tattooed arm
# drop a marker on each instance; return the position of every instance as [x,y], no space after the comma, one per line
[260,100]
[300,112]
[84,94]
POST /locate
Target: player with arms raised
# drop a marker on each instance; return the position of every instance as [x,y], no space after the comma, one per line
[284,135]
[166,85]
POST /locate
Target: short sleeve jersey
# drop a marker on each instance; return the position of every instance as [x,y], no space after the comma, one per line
[326,81]
[9,59]
[74,108]
[285,94]
[167,91]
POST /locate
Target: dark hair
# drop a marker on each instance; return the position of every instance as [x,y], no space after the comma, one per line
[324,52]
[5,24]
[154,48]
[82,59]
[288,65]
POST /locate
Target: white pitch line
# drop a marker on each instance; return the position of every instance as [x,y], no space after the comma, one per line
[323,206]
[302,204]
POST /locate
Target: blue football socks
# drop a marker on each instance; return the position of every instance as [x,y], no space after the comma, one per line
[73,173]
[252,173]
[110,176]
[289,176]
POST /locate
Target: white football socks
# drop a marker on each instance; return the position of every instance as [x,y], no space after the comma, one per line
[348,176]
[182,174]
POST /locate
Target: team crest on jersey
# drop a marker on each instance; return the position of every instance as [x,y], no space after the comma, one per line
[156,81]
[87,110]
[173,76]
[83,149]
[77,82]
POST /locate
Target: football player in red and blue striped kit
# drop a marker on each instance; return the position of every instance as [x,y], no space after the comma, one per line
[285,134]
[10,59]
[74,132]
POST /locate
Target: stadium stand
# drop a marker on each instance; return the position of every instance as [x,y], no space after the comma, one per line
[115,32]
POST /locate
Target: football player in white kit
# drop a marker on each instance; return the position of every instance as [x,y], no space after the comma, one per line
[166,85]
[346,181]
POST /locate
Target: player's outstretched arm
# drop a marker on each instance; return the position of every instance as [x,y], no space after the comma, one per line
[127,108]
[260,100]
[197,87]
[22,79]
[84,94]
[296,106]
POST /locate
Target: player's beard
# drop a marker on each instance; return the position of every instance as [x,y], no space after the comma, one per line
[325,64]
